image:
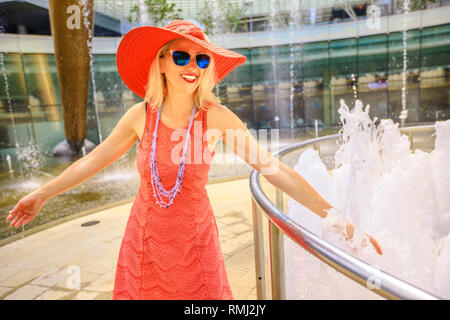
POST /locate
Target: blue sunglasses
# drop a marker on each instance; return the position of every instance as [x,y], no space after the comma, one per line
[181,58]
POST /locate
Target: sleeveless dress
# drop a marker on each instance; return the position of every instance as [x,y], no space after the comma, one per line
[172,253]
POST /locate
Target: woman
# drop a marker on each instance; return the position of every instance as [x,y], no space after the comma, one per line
[171,248]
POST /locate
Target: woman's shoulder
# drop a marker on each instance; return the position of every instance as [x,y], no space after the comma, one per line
[216,111]
[222,118]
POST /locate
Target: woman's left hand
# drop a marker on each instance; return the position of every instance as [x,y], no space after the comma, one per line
[338,222]
[350,232]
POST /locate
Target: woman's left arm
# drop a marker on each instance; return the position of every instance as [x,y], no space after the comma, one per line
[238,138]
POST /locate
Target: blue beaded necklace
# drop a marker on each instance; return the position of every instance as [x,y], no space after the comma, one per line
[157,185]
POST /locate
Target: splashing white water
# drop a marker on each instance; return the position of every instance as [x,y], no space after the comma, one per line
[399,197]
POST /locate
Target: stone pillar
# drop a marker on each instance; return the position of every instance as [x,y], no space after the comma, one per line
[72,24]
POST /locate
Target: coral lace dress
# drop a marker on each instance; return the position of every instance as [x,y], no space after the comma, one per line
[172,253]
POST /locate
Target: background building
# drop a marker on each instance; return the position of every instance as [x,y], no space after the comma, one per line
[303,57]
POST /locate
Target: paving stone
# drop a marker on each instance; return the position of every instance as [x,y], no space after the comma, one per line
[52,294]
[234,274]
[7,271]
[244,238]
[51,278]
[240,291]
[27,292]
[83,260]
[240,260]
[229,247]
[5,291]
[21,277]
[104,296]
[103,284]
[225,234]
[239,228]
[229,220]
[86,278]
[83,295]
[101,266]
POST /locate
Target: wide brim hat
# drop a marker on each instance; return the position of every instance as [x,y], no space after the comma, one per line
[138,49]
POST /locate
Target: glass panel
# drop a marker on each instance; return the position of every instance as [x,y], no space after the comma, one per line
[395,67]
[434,86]
[44,99]
[261,73]
[372,80]
[315,60]
[235,89]
[343,68]
[14,113]
[43,87]
[436,47]
[107,96]
[12,83]
[316,78]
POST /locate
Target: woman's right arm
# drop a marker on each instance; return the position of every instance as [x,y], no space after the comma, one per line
[121,139]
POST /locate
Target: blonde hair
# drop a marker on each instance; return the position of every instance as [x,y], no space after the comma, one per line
[156,87]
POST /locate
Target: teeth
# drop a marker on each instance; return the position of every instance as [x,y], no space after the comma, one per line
[188,77]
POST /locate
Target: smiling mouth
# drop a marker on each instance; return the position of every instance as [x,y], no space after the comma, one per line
[189,78]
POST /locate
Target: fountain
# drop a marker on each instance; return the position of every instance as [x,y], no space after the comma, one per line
[88,12]
[272,28]
[398,196]
[10,108]
[404,112]
[294,48]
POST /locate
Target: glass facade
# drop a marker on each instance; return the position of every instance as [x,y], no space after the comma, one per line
[309,78]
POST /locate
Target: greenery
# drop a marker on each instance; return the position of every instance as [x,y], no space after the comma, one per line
[160,12]
[415,4]
[228,16]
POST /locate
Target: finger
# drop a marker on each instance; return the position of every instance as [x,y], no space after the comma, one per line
[16,218]
[376,245]
[350,230]
[10,216]
[13,212]
[20,221]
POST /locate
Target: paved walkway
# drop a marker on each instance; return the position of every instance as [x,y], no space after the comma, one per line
[43,265]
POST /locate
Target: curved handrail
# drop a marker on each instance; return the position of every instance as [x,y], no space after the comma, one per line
[388,286]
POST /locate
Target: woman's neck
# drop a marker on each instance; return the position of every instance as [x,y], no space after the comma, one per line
[178,105]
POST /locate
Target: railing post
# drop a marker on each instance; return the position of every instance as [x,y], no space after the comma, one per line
[277,262]
[277,252]
[258,241]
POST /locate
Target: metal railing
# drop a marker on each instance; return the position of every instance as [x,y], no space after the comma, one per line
[387,286]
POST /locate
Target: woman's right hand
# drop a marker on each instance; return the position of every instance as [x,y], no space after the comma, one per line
[25,210]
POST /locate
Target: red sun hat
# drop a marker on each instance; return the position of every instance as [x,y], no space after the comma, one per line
[138,49]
